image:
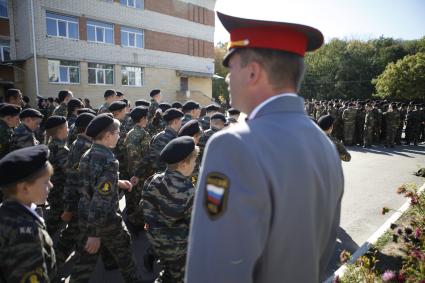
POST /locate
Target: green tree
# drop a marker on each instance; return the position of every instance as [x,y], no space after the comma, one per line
[220,92]
[403,80]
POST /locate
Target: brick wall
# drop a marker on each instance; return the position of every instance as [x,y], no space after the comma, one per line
[4,27]
[82,25]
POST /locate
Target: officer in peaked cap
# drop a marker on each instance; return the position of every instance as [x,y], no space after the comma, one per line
[268,200]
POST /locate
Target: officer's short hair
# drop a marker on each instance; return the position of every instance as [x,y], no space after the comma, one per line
[283,68]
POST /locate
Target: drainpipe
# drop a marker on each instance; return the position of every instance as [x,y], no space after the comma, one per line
[34,49]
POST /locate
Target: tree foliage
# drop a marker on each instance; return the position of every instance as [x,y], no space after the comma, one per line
[220,92]
[404,79]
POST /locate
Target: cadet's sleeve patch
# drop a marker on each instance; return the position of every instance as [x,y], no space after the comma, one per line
[216,194]
[33,276]
[105,188]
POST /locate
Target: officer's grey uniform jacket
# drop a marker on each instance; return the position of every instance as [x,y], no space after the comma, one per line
[268,200]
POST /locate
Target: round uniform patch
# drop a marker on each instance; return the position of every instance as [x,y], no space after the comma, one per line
[105,188]
[216,194]
[34,276]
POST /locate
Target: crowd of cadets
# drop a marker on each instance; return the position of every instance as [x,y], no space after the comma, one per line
[368,123]
[151,153]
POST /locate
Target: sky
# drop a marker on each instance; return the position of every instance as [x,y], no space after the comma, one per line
[344,19]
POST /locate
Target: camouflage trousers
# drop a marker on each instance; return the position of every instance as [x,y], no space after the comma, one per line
[67,242]
[368,136]
[349,133]
[390,136]
[115,249]
[53,214]
[132,200]
[398,134]
[171,250]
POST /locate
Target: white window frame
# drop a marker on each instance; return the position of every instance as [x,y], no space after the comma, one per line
[104,74]
[3,45]
[67,26]
[69,73]
[142,2]
[142,73]
[103,30]
[7,10]
[127,31]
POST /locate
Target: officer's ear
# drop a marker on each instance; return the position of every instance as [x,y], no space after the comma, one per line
[255,72]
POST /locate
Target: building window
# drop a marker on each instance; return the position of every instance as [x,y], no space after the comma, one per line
[3,8]
[5,50]
[101,74]
[100,32]
[61,26]
[131,76]
[131,37]
[132,3]
[61,71]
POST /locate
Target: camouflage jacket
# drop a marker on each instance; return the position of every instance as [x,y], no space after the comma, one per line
[167,201]
[58,158]
[152,109]
[157,144]
[369,120]
[71,120]
[72,134]
[344,155]
[392,119]
[121,152]
[104,108]
[349,116]
[186,118]
[157,125]
[61,110]
[71,194]
[128,123]
[50,110]
[137,146]
[22,137]
[98,208]
[5,138]
[26,249]
[204,139]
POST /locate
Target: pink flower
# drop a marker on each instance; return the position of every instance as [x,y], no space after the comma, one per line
[388,276]
[418,233]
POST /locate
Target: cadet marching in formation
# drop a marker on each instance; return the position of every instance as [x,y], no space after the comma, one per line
[87,164]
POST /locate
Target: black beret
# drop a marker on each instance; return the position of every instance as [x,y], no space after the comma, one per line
[22,163]
[30,112]
[233,111]
[218,116]
[74,103]
[138,112]
[212,107]
[84,119]
[117,105]
[98,124]
[190,129]
[177,150]
[190,105]
[164,106]
[125,101]
[119,94]
[171,114]
[142,102]
[86,110]
[154,92]
[54,121]
[176,105]
[109,92]
[325,122]
[9,110]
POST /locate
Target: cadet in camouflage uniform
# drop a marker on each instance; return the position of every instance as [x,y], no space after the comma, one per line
[403,111]
[158,124]
[109,96]
[57,132]
[26,249]
[9,119]
[137,146]
[217,124]
[369,126]
[392,121]
[167,204]
[377,123]
[64,96]
[205,121]
[326,124]
[118,109]
[413,122]
[23,135]
[155,95]
[349,118]
[360,117]
[68,237]
[72,110]
[73,131]
[191,110]
[193,129]
[101,224]
[173,118]
[320,111]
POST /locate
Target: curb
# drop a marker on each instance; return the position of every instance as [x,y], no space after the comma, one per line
[372,239]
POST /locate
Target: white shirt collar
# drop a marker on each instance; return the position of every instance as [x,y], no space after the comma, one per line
[32,209]
[265,102]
